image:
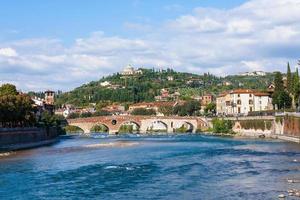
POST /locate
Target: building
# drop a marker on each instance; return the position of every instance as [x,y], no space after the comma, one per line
[130,71]
[255,73]
[243,101]
[46,104]
[170,78]
[105,84]
[49,97]
[206,99]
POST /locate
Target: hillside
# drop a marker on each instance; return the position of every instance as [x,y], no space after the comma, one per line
[145,86]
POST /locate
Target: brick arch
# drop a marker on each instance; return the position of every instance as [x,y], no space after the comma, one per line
[99,124]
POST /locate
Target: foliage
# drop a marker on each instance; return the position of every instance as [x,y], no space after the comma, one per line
[73,129]
[143,88]
[102,104]
[126,129]
[16,110]
[166,110]
[101,113]
[143,111]
[99,128]
[8,89]
[189,108]
[182,129]
[280,97]
[73,115]
[221,126]
[289,79]
[210,108]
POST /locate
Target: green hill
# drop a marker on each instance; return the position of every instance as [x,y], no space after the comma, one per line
[145,86]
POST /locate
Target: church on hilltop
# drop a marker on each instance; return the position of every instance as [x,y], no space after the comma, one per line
[130,71]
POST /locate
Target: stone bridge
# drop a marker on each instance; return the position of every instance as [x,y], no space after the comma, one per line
[144,124]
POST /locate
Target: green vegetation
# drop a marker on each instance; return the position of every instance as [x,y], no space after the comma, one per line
[143,88]
[99,129]
[15,109]
[88,114]
[281,98]
[256,124]
[143,111]
[182,129]
[222,126]
[166,110]
[189,108]
[126,129]
[73,129]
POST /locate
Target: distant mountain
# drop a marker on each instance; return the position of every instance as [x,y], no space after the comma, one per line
[148,83]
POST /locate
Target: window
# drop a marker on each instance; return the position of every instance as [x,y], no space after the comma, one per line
[251,109]
[239,109]
[250,95]
[239,95]
[239,102]
[251,102]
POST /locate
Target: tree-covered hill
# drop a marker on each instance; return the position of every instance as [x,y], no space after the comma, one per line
[145,86]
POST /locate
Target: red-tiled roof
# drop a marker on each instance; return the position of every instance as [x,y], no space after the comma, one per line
[244,91]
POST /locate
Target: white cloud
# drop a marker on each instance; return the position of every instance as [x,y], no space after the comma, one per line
[258,35]
[8,52]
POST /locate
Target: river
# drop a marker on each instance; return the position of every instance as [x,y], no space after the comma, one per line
[151,167]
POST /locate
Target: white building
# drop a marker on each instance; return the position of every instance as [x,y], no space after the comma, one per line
[255,73]
[105,84]
[243,101]
[129,71]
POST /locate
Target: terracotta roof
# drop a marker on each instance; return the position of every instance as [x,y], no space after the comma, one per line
[244,91]
[155,104]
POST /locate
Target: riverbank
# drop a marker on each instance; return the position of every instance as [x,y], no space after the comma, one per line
[12,139]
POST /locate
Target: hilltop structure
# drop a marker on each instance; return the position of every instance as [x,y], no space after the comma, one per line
[130,71]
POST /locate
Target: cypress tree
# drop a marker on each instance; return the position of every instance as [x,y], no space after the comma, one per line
[296,85]
[289,79]
[278,82]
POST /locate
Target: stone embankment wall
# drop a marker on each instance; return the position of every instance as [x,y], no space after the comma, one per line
[290,124]
[21,138]
[254,128]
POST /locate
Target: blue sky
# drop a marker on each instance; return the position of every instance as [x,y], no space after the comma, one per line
[61,44]
[69,19]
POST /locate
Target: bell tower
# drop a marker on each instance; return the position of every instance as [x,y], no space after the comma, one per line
[49,97]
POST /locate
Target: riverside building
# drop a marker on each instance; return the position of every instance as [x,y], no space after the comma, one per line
[243,101]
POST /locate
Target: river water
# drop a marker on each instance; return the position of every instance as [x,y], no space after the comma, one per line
[152,167]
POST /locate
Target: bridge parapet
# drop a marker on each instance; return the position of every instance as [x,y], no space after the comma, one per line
[144,122]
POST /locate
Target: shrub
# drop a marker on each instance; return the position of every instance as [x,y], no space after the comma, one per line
[222,126]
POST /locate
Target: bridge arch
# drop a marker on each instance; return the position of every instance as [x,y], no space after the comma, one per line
[185,127]
[71,129]
[157,126]
[129,127]
[99,128]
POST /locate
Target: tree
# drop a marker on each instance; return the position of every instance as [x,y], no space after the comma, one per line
[166,110]
[189,108]
[278,82]
[280,97]
[289,83]
[296,85]
[8,89]
[210,108]
[143,111]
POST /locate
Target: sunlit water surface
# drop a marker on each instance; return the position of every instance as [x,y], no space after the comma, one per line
[152,167]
